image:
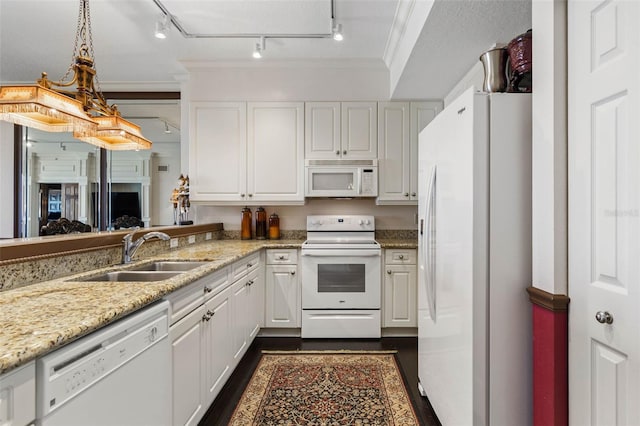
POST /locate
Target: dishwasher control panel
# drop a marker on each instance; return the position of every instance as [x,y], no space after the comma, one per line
[78,366]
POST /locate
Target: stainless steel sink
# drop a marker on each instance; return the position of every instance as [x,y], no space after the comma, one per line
[146,276]
[167,265]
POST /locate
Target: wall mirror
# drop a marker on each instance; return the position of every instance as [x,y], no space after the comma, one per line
[66,185]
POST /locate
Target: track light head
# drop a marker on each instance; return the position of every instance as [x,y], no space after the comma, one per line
[337,32]
[162,27]
[257,52]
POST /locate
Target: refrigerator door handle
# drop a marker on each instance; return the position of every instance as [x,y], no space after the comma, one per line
[427,243]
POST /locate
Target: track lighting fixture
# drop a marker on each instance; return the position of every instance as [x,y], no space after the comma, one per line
[162,27]
[336,32]
[257,53]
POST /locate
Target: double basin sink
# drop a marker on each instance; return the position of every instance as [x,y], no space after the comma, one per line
[149,272]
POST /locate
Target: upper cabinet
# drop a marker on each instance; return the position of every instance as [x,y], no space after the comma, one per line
[399,124]
[246,153]
[218,151]
[341,130]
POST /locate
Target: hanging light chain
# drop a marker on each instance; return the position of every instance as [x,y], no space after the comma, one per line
[96,81]
[74,54]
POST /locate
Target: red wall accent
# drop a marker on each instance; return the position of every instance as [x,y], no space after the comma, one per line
[550,367]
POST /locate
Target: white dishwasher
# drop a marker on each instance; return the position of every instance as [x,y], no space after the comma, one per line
[119,375]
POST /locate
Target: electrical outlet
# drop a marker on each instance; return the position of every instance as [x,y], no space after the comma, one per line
[173,243]
[192,239]
[208,236]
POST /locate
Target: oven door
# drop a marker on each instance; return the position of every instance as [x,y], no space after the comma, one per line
[340,278]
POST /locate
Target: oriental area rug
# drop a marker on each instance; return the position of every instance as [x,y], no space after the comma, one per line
[325,388]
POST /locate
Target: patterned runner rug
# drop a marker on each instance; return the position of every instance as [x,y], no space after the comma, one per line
[325,388]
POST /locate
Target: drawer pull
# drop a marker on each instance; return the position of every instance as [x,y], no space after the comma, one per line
[293,272]
[249,283]
[249,265]
[401,257]
[281,257]
[207,290]
[389,271]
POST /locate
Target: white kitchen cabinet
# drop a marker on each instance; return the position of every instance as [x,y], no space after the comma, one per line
[247,304]
[322,130]
[218,151]
[218,326]
[283,308]
[187,366]
[400,288]
[399,124]
[18,396]
[275,152]
[246,153]
[340,130]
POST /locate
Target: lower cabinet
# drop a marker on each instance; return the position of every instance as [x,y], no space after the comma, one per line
[282,308]
[209,340]
[18,396]
[400,289]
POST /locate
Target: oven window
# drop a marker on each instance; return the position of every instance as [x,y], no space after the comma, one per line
[341,278]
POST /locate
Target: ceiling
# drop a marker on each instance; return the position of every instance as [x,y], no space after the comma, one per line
[456,32]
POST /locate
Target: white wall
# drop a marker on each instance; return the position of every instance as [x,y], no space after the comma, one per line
[549,211]
[162,183]
[6,179]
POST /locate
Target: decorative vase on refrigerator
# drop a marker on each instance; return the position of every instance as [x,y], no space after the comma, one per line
[474,318]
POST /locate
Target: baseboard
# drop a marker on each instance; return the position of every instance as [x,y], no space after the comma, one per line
[400,332]
[279,332]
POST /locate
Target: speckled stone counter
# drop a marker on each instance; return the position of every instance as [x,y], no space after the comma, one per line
[392,243]
[39,318]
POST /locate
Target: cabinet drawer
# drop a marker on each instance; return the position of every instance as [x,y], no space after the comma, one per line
[244,265]
[282,256]
[400,257]
[216,282]
[186,300]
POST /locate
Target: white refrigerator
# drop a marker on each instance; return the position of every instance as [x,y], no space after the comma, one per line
[474,211]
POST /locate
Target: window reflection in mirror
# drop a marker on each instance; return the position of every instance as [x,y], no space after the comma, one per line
[61,176]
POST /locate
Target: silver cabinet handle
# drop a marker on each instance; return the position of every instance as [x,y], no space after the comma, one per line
[249,283]
[208,315]
[406,194]
[389,271]
[401,257]
[604,317]
[281,257]
[207,290]
[293,272]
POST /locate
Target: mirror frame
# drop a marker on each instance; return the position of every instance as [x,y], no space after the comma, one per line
[18,133]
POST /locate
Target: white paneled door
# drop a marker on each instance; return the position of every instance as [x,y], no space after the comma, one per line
[604,212]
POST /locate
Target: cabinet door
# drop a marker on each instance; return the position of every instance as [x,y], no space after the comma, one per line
[283,296]
[359,130]
[218,344]
[241,318]
[187,363]
[275,156]
[218,151]
[394,149]
[322,130]
[400,294]
[421,114]
[255,307]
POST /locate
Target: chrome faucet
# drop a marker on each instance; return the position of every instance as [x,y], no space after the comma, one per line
[129,247]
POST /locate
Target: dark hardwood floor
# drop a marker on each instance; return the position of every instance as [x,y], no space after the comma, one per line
[222,408]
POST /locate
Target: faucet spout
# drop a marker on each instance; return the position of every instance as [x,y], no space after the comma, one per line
[129,247]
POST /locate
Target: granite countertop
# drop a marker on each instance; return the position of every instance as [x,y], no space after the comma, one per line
[41,317]
[398,243]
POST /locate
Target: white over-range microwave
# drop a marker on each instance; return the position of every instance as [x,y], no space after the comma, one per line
[341,178]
